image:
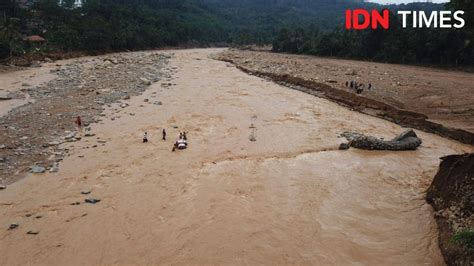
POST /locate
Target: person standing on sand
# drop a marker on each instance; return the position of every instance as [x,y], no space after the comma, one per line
[164,134]
[184,136]
[145,137]
[78,121]
[180,135]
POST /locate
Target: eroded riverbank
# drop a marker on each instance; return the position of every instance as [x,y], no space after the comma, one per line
[431,100]
[290,197]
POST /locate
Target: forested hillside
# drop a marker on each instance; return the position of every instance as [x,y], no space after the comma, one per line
[295,26]
[137,24]
[452,47]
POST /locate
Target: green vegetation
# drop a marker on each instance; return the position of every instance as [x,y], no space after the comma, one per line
[107,25]
[413,46]
[294,26]
[10,37]
[465,238]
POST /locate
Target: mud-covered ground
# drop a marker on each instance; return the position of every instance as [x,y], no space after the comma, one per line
[445,97]
[261,182]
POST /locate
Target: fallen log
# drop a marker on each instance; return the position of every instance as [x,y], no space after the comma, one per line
[408,140]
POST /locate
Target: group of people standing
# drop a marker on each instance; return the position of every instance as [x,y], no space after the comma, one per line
[358,86]
[145,136]
[181,143]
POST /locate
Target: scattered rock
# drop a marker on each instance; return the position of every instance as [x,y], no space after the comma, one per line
[344,146]
[351,72]
[54,168]
[70,136]
[38,169]
[32,232]
[13,226]
[54,143]
[74,88]
[145,81]
[5,98]
[92,200]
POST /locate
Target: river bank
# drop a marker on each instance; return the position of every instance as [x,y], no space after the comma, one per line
[432,100]
[46,100]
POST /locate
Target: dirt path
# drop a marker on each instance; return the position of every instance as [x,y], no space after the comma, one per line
[290,197]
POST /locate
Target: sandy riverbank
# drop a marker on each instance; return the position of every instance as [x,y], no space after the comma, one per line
[290,197]
[407,94]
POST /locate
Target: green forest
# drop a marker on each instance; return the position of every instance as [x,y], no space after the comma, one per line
[293,26]
[448,47]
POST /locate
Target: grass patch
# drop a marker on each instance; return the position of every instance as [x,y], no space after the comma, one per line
[464,238]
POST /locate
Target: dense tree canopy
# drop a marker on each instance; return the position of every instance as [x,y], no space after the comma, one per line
[430,46]
[295,26]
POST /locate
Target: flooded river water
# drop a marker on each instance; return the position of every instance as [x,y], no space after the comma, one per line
[290,197]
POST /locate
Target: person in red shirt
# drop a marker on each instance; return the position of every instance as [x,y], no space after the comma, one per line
[78,121]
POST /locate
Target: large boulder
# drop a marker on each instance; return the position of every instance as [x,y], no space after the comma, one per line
[408,140]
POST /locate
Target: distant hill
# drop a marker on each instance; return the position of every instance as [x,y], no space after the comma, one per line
[137,24]
[259,20]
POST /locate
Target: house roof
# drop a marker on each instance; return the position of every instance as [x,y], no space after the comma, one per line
[35,38]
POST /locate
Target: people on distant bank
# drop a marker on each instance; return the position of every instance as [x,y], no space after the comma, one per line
[145,137]
[164,134]
[358,86]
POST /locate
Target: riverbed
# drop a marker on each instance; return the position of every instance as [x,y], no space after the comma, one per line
[261,182]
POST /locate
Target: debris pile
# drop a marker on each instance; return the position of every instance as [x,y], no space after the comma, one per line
[408,140]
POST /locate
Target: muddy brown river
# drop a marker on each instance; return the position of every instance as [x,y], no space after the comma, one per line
[290,197]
